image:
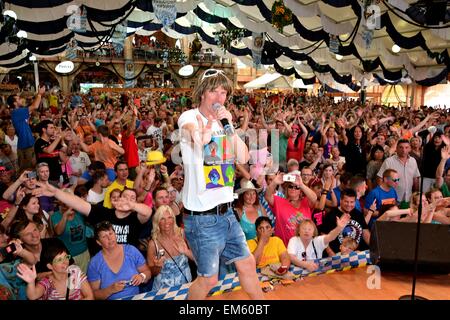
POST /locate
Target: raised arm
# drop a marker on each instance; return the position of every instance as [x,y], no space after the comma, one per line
[144,212]
[77,203]
[9,193]
[243,171]
[271,188]
[434,115]
[340,225]
[313,165]
[34,291]
[440,169]
[37,101]
[59,138]
[311,195]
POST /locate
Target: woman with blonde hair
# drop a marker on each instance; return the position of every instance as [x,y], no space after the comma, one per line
[167,252]
[307,246]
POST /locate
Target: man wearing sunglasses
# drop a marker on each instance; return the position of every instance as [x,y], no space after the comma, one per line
[212,231]
[406,167]
[383,194]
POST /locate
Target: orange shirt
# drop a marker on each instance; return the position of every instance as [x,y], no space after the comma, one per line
[104,153]
[83,130]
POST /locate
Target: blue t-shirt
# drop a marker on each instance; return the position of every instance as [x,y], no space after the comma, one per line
[383,197]
[86,176]
[99,122]
[20,118]
[98,270]
[74,235]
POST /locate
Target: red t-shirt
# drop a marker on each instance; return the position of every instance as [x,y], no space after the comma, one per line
[131,155]
[293,151]
[288,217]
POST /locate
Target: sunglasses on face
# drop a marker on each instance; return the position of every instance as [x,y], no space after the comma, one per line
[211,73]
[294,187]
[394,180]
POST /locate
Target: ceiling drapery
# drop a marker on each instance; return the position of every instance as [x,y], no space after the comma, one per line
[424,55]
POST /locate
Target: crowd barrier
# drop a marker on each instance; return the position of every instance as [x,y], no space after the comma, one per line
[231,281]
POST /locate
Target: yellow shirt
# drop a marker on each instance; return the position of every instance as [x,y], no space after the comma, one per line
[112,186]
[271,253]
[53,101]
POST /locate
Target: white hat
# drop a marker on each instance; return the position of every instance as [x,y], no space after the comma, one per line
[247,185]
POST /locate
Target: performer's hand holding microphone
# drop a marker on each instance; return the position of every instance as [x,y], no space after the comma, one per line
[225,118]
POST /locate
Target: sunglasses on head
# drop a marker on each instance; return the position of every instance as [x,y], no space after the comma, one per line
[211,73]
[103,224]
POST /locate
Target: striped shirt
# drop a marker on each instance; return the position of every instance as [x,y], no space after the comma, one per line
[266,206]
[76,279]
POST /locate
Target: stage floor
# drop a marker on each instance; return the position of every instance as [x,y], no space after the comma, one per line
[353,285]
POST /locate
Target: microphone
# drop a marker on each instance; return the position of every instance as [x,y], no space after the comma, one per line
[424,133]
[227,127]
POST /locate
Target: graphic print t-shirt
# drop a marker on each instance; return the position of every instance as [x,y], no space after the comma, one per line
[288,217]
[127,229]
[209,169]
[218,162]
[353,229]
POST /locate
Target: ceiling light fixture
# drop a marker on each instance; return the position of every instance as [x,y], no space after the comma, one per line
[10,13]
[395,48]
[22,34]
[186,71]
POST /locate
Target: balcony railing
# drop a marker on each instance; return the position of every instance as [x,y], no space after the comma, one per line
[151,54]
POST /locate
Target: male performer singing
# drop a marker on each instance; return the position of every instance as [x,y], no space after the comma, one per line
[213,233]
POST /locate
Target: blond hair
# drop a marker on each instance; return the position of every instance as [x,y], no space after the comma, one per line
[156,232]
[349,243]
[307,221]
[210,83]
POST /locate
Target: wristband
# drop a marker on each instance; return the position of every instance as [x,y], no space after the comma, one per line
[371,210]
[143,275]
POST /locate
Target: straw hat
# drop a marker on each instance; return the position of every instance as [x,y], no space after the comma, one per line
[155,157]
[247,185]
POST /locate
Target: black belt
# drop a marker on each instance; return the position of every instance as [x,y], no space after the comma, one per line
[220,210]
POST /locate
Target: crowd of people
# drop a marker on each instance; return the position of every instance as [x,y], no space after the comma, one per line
[106,195]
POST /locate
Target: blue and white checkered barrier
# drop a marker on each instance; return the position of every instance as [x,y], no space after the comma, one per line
[231,281]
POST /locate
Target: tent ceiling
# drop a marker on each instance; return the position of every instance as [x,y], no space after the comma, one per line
[314,20]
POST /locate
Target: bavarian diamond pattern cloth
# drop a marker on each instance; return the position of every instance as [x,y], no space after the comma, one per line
[231,281]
